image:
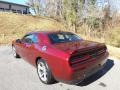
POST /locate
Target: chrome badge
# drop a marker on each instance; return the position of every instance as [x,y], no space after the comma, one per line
[44,48]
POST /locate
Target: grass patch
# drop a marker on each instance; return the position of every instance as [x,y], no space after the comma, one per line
[113,37]
[14,26]
[113,51]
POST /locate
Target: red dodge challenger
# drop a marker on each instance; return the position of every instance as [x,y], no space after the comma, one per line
[61,56]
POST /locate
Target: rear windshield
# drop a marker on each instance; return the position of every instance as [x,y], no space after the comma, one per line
[63,37]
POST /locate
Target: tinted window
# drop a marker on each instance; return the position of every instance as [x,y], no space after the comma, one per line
[63,37]
[30,39]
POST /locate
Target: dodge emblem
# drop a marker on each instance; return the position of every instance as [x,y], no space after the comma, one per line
[44,48]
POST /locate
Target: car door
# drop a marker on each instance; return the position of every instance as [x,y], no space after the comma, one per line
[28,48]
[20,46]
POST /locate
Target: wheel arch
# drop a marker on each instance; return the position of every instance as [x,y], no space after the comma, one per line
[37,60]
[52,77]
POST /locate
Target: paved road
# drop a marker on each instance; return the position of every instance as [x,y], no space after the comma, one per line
[16,74]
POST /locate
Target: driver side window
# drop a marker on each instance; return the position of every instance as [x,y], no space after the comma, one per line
[30,39]
[27,40]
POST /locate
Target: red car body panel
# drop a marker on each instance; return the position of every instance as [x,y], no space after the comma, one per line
[59,56]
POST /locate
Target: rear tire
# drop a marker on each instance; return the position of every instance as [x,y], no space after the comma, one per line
[44,72]
[14,52]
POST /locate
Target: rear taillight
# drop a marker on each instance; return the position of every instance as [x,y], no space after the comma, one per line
[88,56]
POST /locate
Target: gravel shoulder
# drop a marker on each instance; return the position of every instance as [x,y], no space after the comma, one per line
[16,74]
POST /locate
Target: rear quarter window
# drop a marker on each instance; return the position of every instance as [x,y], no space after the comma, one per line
[63,37]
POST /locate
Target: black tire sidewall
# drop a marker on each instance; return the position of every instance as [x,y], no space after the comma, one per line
[16,55]
[49,75]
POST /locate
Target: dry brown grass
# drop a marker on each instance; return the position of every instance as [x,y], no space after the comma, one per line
[14,26]
[113,51]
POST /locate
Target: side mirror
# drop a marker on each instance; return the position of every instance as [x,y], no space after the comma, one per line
[18,41]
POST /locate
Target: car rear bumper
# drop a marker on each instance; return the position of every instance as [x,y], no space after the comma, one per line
[79,74]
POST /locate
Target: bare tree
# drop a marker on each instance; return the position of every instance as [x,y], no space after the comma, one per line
[35,5]
[53,7]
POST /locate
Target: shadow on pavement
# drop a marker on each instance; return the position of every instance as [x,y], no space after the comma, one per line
[99,74]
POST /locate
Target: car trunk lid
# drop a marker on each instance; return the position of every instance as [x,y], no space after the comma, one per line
[82,51]
[78,46]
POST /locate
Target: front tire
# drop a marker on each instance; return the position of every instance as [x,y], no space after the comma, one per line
[44,72]
[14,52]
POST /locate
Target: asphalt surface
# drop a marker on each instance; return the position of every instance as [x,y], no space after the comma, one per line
[16,74]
